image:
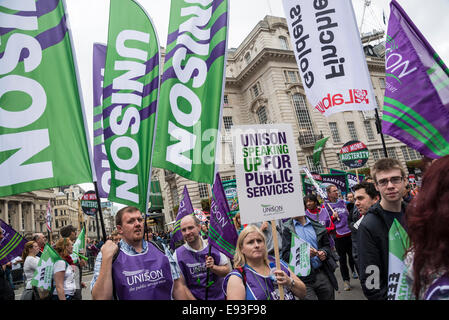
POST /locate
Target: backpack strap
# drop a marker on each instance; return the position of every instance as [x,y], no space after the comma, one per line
[114,293]
[158,244]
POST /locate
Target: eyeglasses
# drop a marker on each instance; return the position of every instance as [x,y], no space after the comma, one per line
[394,180]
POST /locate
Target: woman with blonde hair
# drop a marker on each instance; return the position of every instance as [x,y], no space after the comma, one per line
[64,272]
[253,278]
[29,267]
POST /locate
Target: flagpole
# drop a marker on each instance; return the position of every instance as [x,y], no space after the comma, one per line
[210,248]
[379,131]
[100,212]
[276,254]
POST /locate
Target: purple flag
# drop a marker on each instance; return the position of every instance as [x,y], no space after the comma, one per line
[102,169]
[416,104]
[185,208]
[341,224]
[222,233]
[11,245]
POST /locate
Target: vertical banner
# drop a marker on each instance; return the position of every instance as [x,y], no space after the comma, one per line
[48,217]
[329,54]
[101,162]
[299,261]
[43,138]
[398,244]
[268,180]
[192,89]
[222,233]
[130,95]
[416,104]
[11,245]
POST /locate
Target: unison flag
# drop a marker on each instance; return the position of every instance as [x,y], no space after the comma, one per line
[319,146]
[43,134]
[11,245]
[416,103]
[222,233]
[329,54]
[43,275]
[398,243]
[130,95]
[79,245]
[299,261]
[185,208]
[101,162]
[192,89]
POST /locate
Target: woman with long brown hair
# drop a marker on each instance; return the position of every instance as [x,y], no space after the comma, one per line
[427,219]
[64,273]
[29,267]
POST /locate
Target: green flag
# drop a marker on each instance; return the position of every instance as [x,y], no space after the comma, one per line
[398,241]
[192,89]
[43,140]
[43,275]
[319,146]
[299,262]
[79,246]
[130,94]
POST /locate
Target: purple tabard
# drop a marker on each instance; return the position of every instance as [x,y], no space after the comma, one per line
[145,276]
[258,286]
[341,226]
[439,290]
[193,267]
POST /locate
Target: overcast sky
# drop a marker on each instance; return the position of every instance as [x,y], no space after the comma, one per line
[89,20]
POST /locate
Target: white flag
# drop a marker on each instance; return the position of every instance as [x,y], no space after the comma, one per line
[299,256]
[329,54]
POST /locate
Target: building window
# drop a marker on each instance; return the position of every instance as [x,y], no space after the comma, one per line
[225,100]
[377,154]
[227,121]
[262,115]
[302,114]
[369,130]
[248,58]
[391,153]
[382,83]
[291,76]
[410,154]
[284,43]
[255,90]
[314,168]
[352,131]
[203,190]
[334,132]
[225,178]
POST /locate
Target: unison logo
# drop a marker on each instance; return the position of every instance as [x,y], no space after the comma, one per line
[272,209]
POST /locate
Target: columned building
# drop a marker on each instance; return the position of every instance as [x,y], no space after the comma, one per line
[263,86]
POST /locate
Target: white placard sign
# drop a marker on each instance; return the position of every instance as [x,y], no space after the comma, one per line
[329,54]
[267,173]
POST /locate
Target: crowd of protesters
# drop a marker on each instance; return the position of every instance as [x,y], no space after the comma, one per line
[350,233]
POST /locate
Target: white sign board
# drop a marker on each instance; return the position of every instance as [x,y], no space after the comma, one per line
[267,173]
[329,54]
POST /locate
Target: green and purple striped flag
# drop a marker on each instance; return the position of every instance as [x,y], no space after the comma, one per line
[416,104]
[43,131]
[130,95]
[222,233]
[185,208]
[11,245]
[192,89]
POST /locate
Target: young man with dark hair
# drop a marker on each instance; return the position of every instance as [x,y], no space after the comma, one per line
[136,269]
[365,195]
[372,236]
